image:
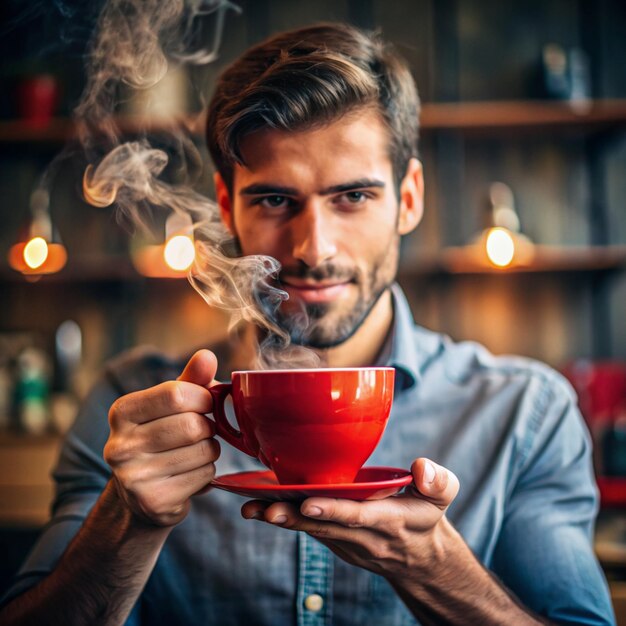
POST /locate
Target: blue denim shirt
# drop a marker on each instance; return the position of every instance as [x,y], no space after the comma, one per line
[508,427]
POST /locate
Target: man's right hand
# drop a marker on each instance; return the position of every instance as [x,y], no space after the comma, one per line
[161,447]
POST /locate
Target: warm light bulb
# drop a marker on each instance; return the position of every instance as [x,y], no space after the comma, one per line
[35,252]
[179,252]
[500,247]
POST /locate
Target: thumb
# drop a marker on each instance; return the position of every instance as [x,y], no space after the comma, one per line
[434,482]
[200,369]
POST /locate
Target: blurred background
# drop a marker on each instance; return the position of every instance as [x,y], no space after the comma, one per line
[522,248]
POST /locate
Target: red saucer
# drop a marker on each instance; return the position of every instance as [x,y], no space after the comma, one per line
[371,483]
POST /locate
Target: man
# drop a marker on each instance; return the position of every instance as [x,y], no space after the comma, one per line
[314,137]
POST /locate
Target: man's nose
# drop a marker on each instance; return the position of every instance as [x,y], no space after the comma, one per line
[313,239]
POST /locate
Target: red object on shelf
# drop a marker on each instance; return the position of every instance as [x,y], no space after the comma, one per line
[600,385]
[37,99]
[612,491]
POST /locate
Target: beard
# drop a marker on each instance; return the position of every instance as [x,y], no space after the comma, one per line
[322,335]
[326,325]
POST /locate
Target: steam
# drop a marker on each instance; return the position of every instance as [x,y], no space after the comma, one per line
[134,44]
[131,45]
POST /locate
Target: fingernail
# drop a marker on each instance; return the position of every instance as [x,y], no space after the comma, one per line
[429,472]
[279,519]
[313,511]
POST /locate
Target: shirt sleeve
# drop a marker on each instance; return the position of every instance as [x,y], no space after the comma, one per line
[80,476]
[544,553]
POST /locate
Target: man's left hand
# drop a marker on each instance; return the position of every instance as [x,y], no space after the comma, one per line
[390,537]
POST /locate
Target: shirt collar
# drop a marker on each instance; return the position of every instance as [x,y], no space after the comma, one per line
[411,347]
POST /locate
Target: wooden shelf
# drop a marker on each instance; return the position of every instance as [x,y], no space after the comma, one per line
[111,269]
[470,260]
[105,269]
[60,130]
[462,116]
[96,270]
[464,260]
[26,488]
[522,115]
[17,131]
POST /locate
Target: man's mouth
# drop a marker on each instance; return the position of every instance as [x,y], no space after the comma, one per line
[314,291]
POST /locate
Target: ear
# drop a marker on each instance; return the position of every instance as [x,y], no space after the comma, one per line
[411,198]
[223,201]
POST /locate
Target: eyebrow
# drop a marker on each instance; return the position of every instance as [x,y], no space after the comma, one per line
[268,189]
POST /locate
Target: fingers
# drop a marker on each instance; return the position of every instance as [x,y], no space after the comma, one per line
[193,482]
[161,448]
[187,394]
[168,398]
[157,486]
[379,515]
[175,431]
[200,369]
[254,509]
[166,502]
[434,482]
[333,518]
[185,459]
[350,513]
[143,467]
[287,515]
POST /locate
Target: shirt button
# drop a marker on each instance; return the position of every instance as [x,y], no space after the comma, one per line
[314,602]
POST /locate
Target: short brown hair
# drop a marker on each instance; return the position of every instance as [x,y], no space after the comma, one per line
[308,77]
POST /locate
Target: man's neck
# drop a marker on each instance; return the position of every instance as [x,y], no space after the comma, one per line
[362,349]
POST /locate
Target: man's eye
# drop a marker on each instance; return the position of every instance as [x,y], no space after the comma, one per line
[354,197]
[274,202]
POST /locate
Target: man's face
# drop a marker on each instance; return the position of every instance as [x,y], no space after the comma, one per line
[322,202]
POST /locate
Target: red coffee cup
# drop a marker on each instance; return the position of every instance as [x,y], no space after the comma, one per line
[310,426]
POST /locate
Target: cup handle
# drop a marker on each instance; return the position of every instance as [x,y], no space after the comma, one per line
[222,426]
